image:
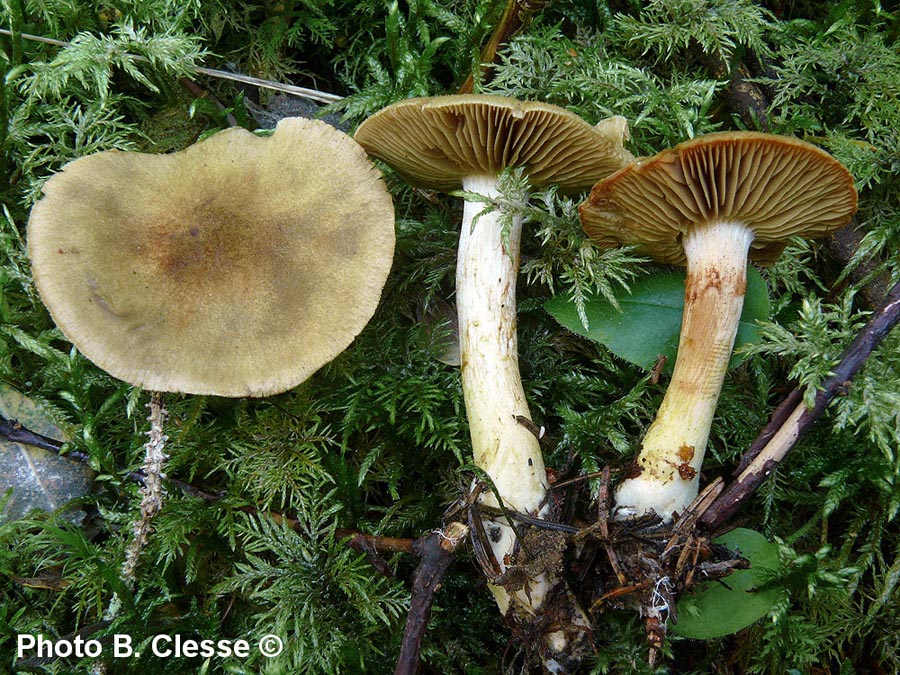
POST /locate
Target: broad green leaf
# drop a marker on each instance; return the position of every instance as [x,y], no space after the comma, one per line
[39,479]
[649,322]
[718,609]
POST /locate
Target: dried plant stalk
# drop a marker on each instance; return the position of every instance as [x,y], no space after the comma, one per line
[153,490]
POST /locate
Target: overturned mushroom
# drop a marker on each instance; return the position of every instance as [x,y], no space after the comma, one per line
[452,142]
[710,203]
[236,267]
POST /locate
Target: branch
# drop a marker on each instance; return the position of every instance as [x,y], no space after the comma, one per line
[516,16]
[11,430]
[792,418]
[364,542]
[437,551]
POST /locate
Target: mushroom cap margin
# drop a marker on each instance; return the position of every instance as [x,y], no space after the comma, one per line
[221,269]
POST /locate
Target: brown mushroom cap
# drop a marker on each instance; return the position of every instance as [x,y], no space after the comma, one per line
[435,142]
[778,186]
[236,267]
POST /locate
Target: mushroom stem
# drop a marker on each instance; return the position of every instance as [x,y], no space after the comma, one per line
[673,448]
[509,453]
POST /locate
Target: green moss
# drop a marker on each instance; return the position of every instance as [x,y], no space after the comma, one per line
[377,440]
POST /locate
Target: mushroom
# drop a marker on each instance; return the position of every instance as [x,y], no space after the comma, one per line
[710,203]
[451,142]
[235,267]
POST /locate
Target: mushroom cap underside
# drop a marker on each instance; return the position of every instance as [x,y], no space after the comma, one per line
[434,143]
[236,267]
[780,187]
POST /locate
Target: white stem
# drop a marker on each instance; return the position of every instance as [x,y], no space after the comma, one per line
[673,449]
[509,453]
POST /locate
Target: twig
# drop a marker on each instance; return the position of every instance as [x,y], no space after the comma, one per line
[516,15]
[11,430]
[302,92]
[362,542]
[583,477]
[199,92]
[779,417]
[603,520]
[694,512]
[602,525]
[534,521]
[372,546]
[437,551]
[293,90]
[780,438]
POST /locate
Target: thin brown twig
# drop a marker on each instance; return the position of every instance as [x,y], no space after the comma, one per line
[516,15]
[534,521]
[384,544]
[584,477]
[603,515]
[200,93]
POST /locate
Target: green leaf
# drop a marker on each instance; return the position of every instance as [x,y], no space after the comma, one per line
[649,322]
[719,609]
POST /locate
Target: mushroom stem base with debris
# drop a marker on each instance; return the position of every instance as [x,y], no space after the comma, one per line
[508,453]
[673,448]
[649,564]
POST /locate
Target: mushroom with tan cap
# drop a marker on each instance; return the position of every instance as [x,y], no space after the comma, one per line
[710,203]
[452,142]
[235,267]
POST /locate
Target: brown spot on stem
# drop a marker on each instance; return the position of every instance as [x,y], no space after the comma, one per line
[712,280]
[657,369]
[686,471]
[634,470]
[686,453]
